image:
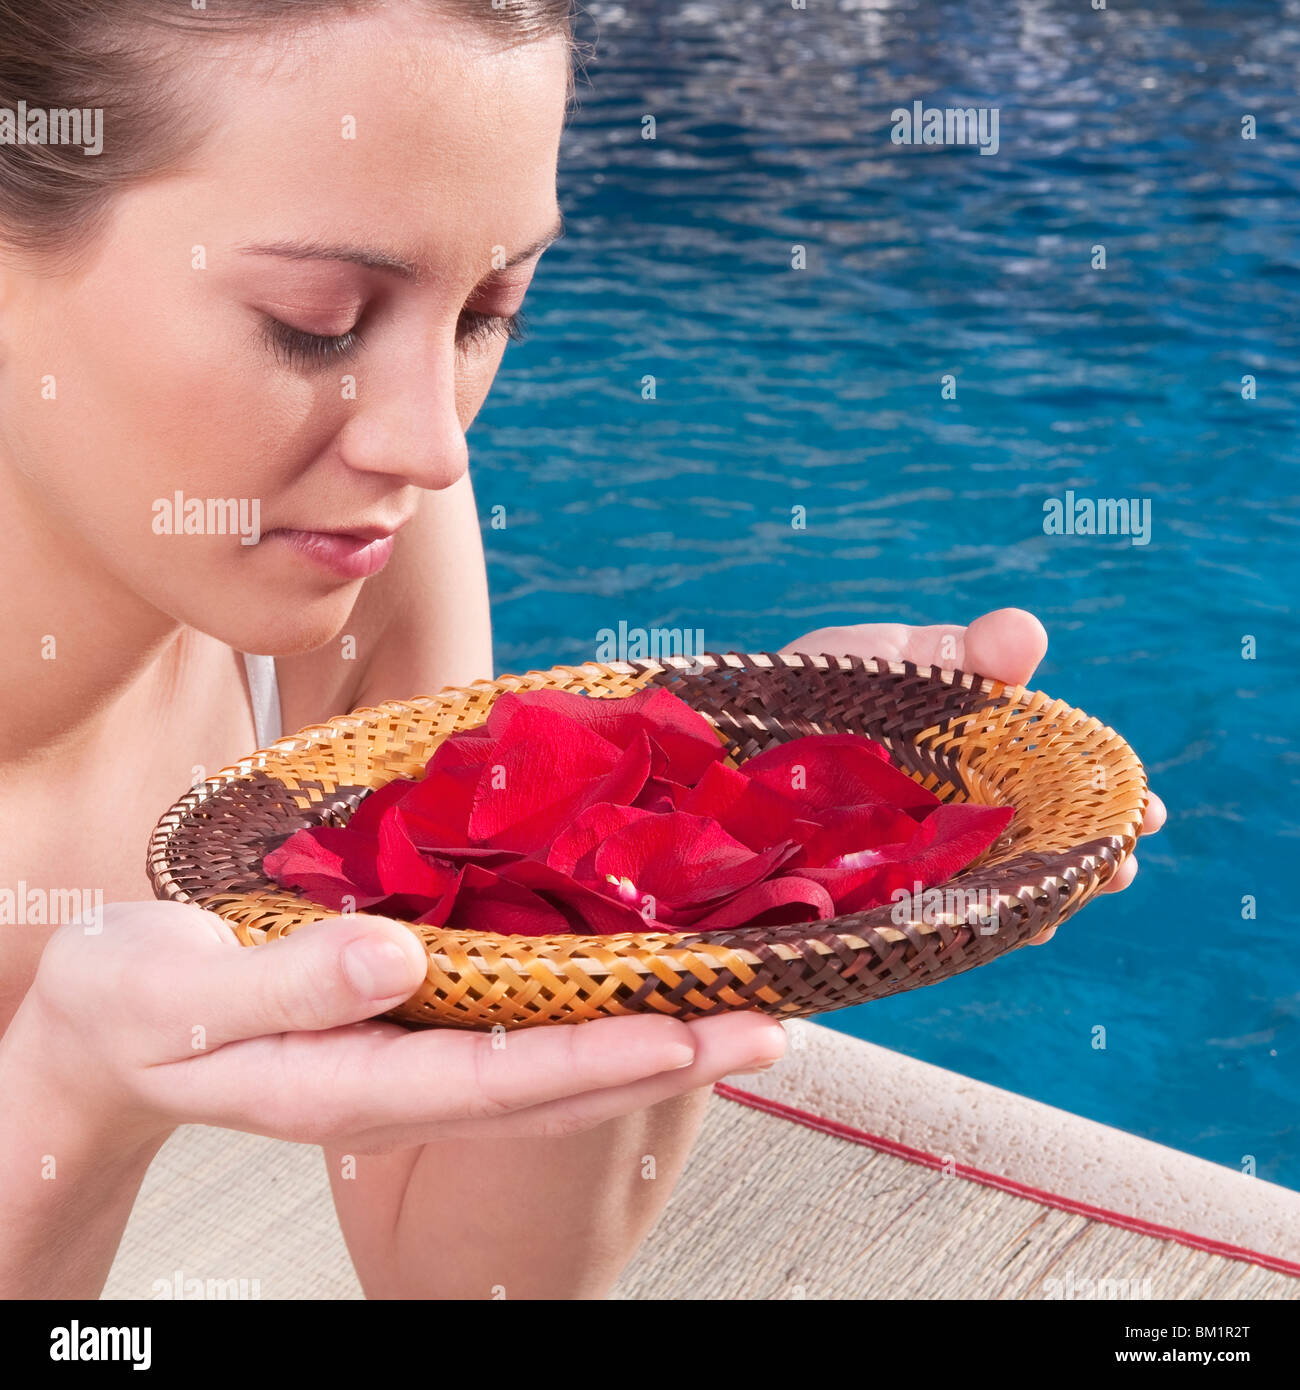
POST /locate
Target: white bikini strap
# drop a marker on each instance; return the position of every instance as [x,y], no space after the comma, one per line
[264,692]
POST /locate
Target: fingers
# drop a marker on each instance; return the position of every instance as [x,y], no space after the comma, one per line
[725,1045]
[866,640]
[1127,873]
[383,1087]
[1006,645]
[489,1077]
[941,644]
[321,976]
[314,1087]
[1152,822]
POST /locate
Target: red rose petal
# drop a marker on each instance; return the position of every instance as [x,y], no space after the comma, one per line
[681,861]
[464,748]
[626,780]
[760,903]
[746,809]
[620,786]
[590,829]
[541,767]
[332,866]
[824,771]
[365,819]
[437,811]
[945,842]
[662,793]
[403,869]
[486,902]
[588,912]
[857,830]
[690,742]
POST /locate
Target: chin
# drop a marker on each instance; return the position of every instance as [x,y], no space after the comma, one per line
[281,627]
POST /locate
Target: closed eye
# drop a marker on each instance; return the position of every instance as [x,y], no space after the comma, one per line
[299,349]
[477,328]
[308,350]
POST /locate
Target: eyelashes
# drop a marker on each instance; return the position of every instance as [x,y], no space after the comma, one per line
[475,327]
[312,350]
[307,350]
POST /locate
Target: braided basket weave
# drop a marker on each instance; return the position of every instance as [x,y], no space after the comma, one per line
[1078,789]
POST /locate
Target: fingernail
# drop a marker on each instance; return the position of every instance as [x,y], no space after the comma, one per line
[687,1055]
[377,969]
[770,1062]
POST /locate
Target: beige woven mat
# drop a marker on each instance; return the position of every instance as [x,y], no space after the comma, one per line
[771,1209]
[217,1205]
[766,1208]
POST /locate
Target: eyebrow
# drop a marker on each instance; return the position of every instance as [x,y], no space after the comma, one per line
[374,259]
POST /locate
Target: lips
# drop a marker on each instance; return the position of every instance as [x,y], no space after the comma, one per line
[348,555]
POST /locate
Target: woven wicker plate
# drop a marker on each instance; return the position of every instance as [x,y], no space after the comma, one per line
[1078,789]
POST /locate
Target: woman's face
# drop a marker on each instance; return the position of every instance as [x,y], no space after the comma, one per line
[304,322]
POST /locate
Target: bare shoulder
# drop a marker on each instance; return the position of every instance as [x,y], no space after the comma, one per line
[420,624]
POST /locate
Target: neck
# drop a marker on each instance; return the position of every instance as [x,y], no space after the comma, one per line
[76,640]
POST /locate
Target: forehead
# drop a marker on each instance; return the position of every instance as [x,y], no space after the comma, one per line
[408,124]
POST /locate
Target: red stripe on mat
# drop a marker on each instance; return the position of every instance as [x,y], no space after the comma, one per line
[1018,1189]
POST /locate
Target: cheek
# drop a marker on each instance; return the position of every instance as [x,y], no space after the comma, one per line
[474,381]
[161,391]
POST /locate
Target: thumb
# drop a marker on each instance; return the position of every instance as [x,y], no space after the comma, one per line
[1005,645]
[324,975]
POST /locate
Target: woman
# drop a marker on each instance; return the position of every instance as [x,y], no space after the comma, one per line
[286,284]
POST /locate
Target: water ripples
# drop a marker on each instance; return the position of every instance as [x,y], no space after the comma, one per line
[776,387]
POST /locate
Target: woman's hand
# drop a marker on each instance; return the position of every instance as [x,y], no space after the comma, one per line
[1006,645]
[161,1018]
[164,1019]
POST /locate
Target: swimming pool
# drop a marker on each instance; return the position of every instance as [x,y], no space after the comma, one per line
[820,387]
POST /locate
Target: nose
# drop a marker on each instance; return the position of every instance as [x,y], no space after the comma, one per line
[405,422]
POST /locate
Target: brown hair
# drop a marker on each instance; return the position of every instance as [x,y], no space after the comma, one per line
[109,55]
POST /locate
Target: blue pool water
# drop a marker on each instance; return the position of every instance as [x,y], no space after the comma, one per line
[820,387]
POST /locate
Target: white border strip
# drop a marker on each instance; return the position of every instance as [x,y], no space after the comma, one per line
[885,1093]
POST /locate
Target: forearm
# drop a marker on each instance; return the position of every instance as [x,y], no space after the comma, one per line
[67,1185]
[522,1218]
